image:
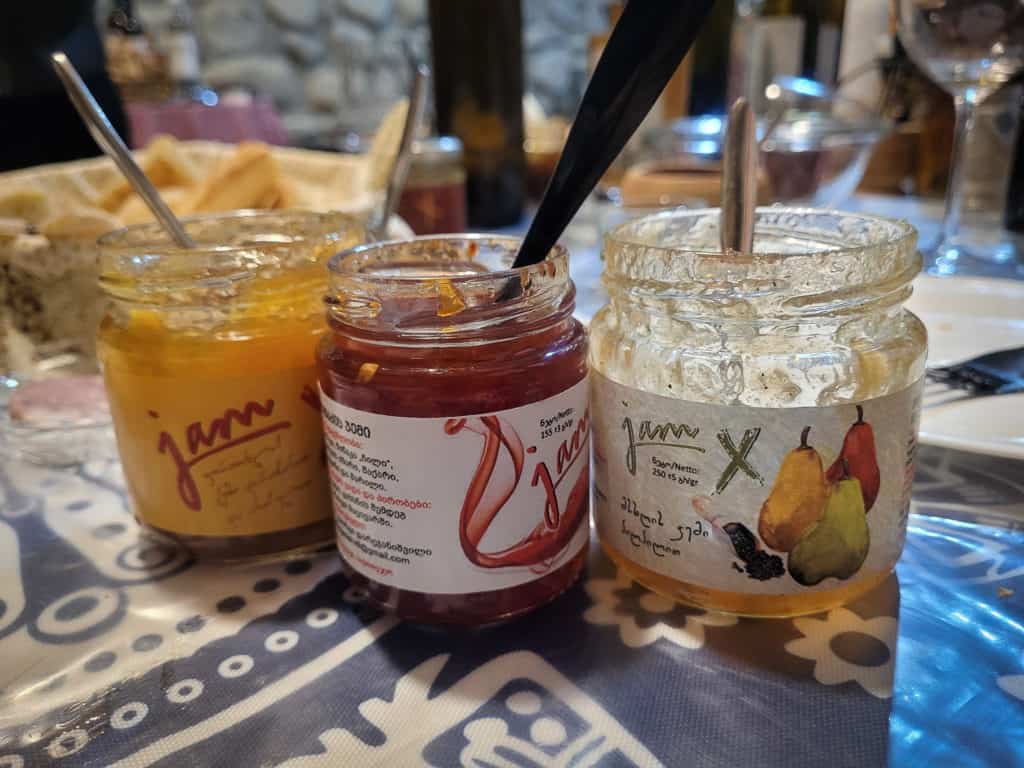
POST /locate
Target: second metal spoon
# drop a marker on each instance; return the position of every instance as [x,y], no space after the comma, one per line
[103,132]
[739,180]
[403,158]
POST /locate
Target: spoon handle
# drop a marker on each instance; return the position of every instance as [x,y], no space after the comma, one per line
[403,159]
[105,135]
[644,50]
[739,179]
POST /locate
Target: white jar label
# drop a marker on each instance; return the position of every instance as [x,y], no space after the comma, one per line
[753,500]
[460,505]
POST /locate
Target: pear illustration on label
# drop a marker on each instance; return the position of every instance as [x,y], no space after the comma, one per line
[839,543]
[797,499]
[859,453]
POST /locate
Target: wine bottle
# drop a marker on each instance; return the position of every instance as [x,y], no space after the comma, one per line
[711,65]
[478,96]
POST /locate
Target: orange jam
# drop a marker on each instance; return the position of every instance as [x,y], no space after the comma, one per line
[208,360]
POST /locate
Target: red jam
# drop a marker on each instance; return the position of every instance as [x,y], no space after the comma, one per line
[453,414]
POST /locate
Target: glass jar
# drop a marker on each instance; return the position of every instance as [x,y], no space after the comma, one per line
[208,357]
[433,200]
[755,415]
[455,413]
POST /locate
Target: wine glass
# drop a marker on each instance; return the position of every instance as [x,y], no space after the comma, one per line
[970,48]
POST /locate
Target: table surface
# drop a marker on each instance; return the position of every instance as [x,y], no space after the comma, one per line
[118,649]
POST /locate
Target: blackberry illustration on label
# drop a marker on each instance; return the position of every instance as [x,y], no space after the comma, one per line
[757,563]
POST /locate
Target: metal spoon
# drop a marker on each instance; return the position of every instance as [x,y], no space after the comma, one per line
[400,168]
[105,135]
[739,179]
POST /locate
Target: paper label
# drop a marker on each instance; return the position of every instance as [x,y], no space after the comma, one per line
[222,457]
[461,505]
[753,500]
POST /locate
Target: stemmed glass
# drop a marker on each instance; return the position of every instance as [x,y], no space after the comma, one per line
[970,48]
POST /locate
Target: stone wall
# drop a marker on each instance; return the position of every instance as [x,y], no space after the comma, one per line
[335,65]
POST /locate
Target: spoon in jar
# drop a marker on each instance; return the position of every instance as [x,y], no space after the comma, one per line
[403,158]
[739,180]
[104,134]
[644,50]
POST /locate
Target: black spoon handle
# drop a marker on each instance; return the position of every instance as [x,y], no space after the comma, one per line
[644,50]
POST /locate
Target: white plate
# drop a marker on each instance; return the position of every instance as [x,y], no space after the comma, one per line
[968,316]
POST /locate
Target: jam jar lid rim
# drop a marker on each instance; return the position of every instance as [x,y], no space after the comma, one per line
[903,231]
[109,241]
[335,263]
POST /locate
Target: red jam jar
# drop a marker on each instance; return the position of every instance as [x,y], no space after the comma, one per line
[457,426]
[433,200]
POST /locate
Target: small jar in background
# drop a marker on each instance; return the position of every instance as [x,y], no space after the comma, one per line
[434,198]
[755,415]
[208,357]
[457,427]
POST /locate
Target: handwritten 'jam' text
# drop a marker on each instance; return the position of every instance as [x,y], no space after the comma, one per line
[570,449]
[223,432]
[665,435]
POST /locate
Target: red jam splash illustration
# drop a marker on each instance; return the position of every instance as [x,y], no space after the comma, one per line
[495,481]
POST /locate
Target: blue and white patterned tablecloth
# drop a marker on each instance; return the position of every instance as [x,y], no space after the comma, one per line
[119,650]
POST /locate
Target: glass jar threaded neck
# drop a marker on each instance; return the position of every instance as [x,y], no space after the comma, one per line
[450,289]
[806,264]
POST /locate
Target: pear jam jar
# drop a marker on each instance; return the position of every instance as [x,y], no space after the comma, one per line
[755,415]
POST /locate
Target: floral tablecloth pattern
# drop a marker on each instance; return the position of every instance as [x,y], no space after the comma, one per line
[118,649]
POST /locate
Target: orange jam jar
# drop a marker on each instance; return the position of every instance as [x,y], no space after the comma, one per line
[208,360]
[457,426]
